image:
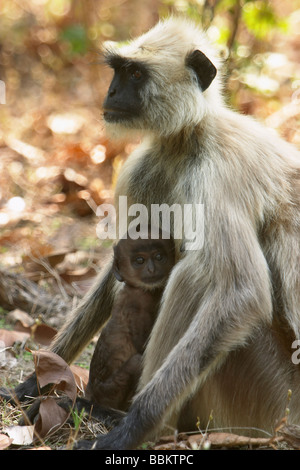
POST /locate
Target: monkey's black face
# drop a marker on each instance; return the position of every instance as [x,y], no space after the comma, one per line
[123,100]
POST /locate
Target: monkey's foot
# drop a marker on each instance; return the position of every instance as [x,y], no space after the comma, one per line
[101,443]
[84,445]
[109,441]
[22,392]
[6,394]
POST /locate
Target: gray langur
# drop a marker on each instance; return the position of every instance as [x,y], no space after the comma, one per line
[230,310]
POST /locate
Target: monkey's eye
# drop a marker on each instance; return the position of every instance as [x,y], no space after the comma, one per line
[158,257]
[136,74]
[139,260]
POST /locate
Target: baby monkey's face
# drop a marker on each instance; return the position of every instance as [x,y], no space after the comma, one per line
[146,263]
[151,267]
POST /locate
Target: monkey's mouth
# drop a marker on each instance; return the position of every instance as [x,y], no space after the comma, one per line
[155,280]
[116,114]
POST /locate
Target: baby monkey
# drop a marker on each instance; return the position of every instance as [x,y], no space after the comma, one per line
[143,265]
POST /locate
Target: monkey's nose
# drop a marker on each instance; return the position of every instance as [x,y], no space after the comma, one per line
[150,267]
[112,92]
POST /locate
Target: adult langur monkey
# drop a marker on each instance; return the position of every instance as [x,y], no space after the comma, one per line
[231,310]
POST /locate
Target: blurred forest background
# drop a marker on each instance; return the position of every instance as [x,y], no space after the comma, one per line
[56,164]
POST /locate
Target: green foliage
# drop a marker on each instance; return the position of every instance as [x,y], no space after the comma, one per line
[3,323]
[76,38]
[257,16]
[244,30]
[77,418]
[261,19]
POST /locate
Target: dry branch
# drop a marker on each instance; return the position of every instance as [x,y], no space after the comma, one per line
[19,292]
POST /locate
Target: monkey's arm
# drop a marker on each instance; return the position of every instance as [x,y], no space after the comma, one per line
[78,330]
[109,417]
[227,299]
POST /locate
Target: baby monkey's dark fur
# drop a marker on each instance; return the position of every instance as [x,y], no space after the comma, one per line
[116,366]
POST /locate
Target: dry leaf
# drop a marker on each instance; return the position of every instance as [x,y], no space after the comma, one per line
[9,337]
[51,417]
[19,319]
[40,448]
[5,441]
[52,369]
[20,435]
[81,376]
[40,332]
[43,334]
[7,358]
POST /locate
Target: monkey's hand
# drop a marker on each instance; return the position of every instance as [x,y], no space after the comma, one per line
[103,442]
[22,392]
[84,445]
[127,435]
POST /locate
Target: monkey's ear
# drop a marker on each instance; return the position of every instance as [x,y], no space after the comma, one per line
[115,266]
[204,68]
